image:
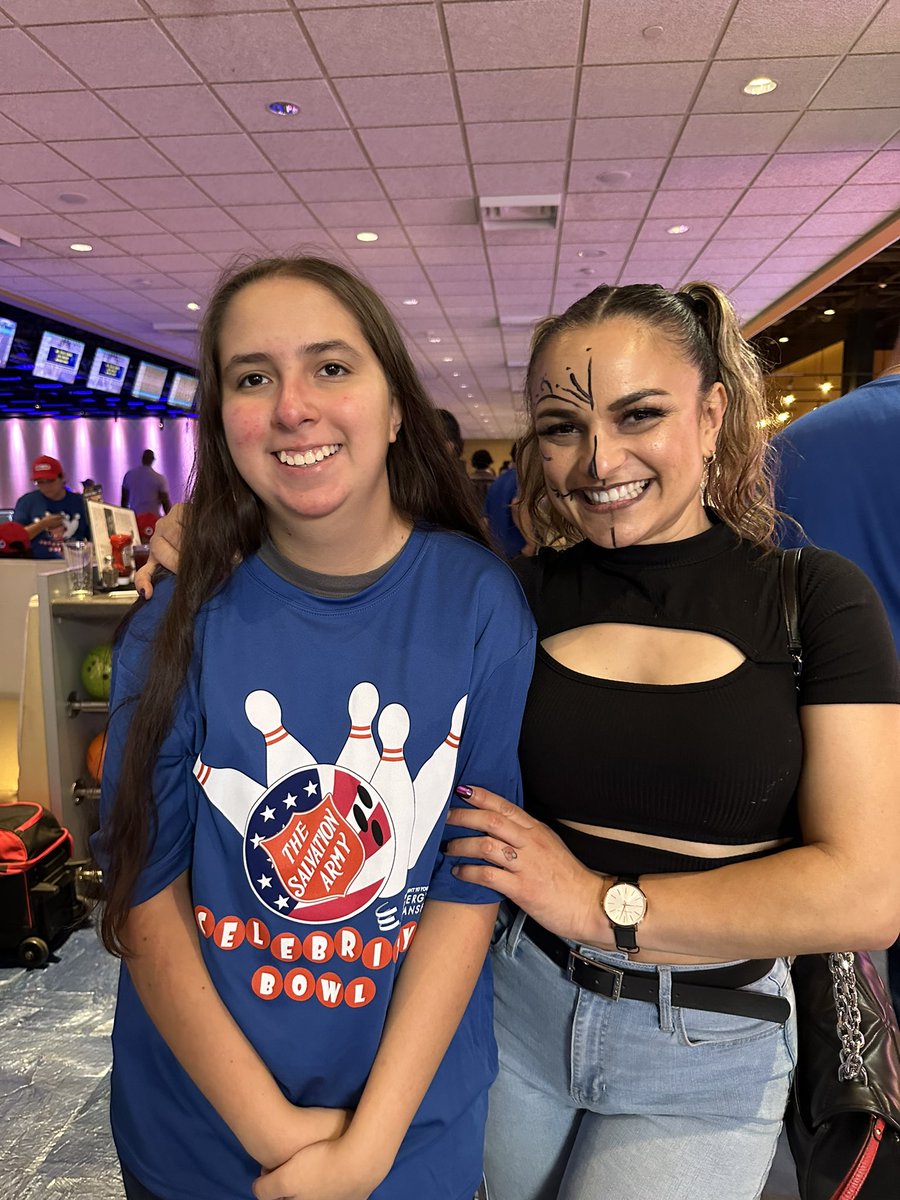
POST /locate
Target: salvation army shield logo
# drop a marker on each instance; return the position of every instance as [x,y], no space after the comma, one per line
[319,845]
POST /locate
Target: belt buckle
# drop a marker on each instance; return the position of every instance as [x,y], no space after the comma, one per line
[575,957]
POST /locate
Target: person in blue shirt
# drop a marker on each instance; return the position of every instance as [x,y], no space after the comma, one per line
[837,477]
[304,1005]
[499,513]
[51,513]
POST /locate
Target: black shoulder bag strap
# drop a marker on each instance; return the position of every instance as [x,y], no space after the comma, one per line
[789,570]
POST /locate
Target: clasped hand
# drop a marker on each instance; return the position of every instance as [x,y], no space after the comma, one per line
[527,862]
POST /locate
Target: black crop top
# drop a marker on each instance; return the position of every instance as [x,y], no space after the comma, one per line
[717,761]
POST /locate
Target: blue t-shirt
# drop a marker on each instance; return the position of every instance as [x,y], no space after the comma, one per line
[311,822]
[837,475]
[500,496]
[48,543]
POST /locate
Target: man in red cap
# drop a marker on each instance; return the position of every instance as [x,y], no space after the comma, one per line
[51,513]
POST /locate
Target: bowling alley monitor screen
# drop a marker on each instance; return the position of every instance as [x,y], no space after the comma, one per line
[182,390]
[58,358]
[149,381]
[7,333]
[108,371]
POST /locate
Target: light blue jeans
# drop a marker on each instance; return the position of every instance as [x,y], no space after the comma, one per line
[624,1100]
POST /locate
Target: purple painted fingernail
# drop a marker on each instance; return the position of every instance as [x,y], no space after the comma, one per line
[465,792]
[142,593]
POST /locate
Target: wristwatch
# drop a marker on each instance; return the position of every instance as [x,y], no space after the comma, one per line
[626,906]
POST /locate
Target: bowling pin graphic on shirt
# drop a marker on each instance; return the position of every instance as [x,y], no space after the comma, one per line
[433,783]
[360,754]
[392,780]
[283,752]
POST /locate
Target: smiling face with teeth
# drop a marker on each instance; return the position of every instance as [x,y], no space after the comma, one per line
[623,431]
[308,417]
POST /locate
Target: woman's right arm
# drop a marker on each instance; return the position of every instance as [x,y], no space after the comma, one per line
[170,977]
[165,549]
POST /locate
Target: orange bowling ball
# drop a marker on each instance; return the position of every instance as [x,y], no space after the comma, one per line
[93,759]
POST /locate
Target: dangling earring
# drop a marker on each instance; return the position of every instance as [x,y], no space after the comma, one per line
[708,464]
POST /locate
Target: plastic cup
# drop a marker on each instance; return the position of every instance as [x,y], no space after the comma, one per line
[79,568]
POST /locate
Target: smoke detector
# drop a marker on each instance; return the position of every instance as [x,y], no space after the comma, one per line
[519,212]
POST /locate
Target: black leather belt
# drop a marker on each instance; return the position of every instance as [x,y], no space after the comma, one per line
[712,990]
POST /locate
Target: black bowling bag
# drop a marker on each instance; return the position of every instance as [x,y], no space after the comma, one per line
[38,897]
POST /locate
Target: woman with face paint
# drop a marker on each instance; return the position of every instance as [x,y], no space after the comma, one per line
[691,818]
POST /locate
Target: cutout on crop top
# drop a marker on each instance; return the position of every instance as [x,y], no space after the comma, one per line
[641,655]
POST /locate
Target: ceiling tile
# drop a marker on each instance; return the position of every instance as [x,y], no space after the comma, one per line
[714,171]
[638,89]
[761,201]
[32,162]
[773,225]
[238,242]
[272,46]
[444,235]
[883,35]
[797,79]
[45,225]
[158,111]
[414,183]
[657,229]
[115,158]
[628,35]
[414,145]
[625,137]
[518,141]
[611,175]
[542,94]
[848,224]
[595,206]
[824,168]
[165,192]
[188,220]
[269,216]
[25,67]
[862,81]
[435,212]
[179,262]
[110,223]
[97,198]
[881,168]
[450,256]
[335,185]
[388,236]
[48,12]
[14,133]
[364,214]
[802,27]
[598,233]
[249,104]
[516,33]
[207,154]
[174,8]
[395,40]
[242,189]
[149,243]
[709,202]
[755,133]
[385,100]
[327,149]
[520,179]
[117,53]
[845,129]
[60,115]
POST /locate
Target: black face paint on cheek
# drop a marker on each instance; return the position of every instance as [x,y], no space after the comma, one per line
[592,465]
[612,536]
[562,495]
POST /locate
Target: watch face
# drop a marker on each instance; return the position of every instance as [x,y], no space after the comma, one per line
[625,904]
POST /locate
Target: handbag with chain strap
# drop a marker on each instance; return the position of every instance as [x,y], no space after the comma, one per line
[843,1114]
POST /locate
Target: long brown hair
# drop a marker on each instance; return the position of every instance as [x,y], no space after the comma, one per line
[702,323]
[225,522]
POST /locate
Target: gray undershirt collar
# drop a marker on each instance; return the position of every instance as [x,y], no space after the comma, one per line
[329,587]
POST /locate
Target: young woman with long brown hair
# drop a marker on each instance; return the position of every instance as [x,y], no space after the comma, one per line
[289,717]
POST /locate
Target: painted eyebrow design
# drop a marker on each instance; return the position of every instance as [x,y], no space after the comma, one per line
[578,394]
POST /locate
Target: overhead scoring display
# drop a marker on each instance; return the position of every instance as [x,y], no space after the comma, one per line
[107,372]
[58,358]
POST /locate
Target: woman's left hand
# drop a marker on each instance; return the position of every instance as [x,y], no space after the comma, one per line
[331,1170]
[525,861]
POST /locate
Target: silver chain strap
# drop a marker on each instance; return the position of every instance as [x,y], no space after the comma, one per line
[846,1003]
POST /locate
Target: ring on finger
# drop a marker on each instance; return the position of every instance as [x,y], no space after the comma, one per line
[509,854]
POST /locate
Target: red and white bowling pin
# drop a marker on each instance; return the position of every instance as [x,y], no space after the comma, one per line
[393,783]
[284,753]
[433,783]
[231,792]
[360,753]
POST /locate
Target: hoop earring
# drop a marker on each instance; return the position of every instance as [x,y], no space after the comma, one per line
[708,465]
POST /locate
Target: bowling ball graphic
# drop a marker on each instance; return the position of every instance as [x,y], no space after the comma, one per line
[96,671]
[94,756]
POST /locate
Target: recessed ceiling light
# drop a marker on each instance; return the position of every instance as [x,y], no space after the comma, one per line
[652,32]
[434,340]
[411,300]
[788,400]
[613,176]
[882,285]
[760,86]
[783,416]
[81,247]
[825,388]
[455,374]
[827,312]
[469,397]
[678,229]
[367,237]
[283,108]
[463,386]
[783,340]
[73,198]
[446,358]
[193,306]
[587,270]
[592,254]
